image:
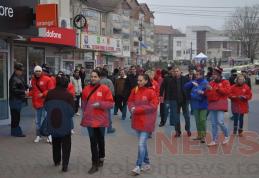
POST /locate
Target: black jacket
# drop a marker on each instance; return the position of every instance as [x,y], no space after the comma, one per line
[169,86]
[131,82]
[59,104]
[17,88]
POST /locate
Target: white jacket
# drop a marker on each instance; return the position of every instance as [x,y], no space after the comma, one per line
[77,84]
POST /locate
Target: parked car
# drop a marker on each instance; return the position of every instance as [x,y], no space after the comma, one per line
[257,78]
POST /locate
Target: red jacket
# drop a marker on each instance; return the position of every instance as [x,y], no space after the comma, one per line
[156,87]
[145,102]
[40,85]
[240,105]
[70,87]
[96,117]
[218,96]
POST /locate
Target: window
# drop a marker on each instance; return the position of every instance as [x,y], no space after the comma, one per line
[126,48]
[178,53]
[178,43]
[103,31]
[92,28]
[36,57]
[116,31]
[90,14]
[21,57]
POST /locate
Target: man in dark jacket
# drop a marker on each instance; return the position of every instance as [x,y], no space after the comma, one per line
[59,104]
[17,93]
[247,78]
[233,76]
[132,79]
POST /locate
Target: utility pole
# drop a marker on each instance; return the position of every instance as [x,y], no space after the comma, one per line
[191,52]
[140,41]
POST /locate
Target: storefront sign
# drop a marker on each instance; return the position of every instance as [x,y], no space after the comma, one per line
[16,17]
[47,15]
[101,43]
[62,36]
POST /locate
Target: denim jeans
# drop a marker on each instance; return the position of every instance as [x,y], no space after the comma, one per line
[217,119]
[110,119]
[170,109]
[142,148]
[40,115]
[238,121]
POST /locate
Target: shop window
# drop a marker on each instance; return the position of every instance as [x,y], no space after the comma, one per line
[36,57]
[53,63]
[3,86]
[20,56]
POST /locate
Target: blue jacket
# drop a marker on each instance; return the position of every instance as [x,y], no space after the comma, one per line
[198,101]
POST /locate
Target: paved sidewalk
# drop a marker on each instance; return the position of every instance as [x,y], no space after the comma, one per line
[20,157]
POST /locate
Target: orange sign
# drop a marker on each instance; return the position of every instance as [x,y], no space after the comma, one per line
[47,15]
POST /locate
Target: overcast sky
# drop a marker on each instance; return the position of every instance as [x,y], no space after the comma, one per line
[181,13]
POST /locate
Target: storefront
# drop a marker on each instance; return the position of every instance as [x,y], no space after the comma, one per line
[16,22]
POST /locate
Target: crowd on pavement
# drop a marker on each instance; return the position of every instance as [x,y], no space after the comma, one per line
[143,93]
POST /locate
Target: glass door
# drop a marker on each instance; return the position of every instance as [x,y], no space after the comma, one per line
[3,86]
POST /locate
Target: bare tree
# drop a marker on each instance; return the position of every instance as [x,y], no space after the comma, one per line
[244,26]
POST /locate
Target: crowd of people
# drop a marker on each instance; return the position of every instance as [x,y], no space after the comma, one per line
[57,100]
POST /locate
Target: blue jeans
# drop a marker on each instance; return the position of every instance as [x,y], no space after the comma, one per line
[171,107]
[110,119]
[40,115]
[238,121]
[142,148]
[217,119]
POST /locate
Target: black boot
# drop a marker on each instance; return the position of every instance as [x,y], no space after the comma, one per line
[17,132]
[64,168]
[101,162]
[94,168]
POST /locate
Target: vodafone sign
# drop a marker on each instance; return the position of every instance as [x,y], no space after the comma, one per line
[62,36]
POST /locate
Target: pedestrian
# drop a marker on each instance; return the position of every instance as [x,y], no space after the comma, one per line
[60,107]
[217,93]
[247,78]
[132,79]
[41,84]
[96,101]
[17,99]
[155,86]
[168,97]
[233,77]
[143,103]
[77,83]
[199,103]
[164,73]
[121,94]
[106,81]
[240,94]
[181,102]
[82,74]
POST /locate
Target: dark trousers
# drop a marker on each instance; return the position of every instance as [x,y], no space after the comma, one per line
[77,99]
[96,136]
[238,121]
[64,144]
[15,118]
[162,113]
[121,104]
[185,108]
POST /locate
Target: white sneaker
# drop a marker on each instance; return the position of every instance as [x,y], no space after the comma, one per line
[78,114]
[49,139]
[225,141]
[146,167]
[72,131]
[37,139]
[213,143]
[135,171]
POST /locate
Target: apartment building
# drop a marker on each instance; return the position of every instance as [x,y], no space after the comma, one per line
[164,40]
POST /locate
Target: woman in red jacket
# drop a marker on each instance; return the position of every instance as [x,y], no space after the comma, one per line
[97,99]
[240,94]
[143,106]
[217,93]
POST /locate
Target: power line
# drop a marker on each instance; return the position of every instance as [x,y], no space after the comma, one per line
[197,7]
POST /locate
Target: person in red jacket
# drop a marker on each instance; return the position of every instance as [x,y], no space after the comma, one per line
[41,84]
[240,93]
[97,99]
[217,93]
[142,104]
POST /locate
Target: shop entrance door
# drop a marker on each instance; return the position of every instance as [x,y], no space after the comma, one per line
[4,111]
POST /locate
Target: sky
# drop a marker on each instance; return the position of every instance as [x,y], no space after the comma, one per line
[182,13]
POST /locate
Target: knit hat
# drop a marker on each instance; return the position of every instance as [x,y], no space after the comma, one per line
[37,68]
[218,70]
[18,66]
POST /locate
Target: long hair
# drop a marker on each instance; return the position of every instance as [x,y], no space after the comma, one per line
[146,77]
